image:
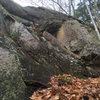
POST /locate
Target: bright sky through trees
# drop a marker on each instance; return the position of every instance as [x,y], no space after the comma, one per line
[36,2]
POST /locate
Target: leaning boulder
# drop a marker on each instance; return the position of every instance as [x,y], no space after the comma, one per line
[76,35]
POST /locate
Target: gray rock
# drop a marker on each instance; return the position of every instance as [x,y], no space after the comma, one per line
[12,86]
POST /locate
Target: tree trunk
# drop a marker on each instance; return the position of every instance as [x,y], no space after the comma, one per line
[96,29]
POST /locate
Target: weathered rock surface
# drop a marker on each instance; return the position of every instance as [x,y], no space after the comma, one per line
[43,58]
[12,86]
[76,36]
[82,40]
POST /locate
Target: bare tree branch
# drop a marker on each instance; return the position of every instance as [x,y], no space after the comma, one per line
[60,7]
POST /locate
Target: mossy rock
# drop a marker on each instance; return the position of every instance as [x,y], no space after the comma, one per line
[12,86]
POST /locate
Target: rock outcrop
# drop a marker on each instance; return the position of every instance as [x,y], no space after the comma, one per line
[12,86]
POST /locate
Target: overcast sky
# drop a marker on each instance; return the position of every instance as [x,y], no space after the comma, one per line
[29,3]
[23,2]
[36,2]
[46,3]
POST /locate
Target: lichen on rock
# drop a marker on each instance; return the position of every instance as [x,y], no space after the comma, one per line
[12,86]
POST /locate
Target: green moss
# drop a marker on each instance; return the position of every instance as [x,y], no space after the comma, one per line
[12,86]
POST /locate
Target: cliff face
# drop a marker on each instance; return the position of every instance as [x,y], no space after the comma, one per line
[52,46]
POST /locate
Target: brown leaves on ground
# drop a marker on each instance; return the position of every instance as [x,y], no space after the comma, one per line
[67,87]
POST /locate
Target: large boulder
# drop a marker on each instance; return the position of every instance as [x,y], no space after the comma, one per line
[82,40]
[76,35]
[12,86]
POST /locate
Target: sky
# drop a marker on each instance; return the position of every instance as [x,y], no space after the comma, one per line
[28,2]
[46,4]
[23,2]
[35,2]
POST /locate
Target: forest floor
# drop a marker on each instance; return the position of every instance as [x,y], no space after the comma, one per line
[67,87]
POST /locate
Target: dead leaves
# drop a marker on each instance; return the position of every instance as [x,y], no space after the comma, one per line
[67,87]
